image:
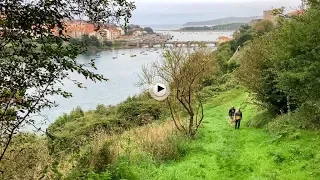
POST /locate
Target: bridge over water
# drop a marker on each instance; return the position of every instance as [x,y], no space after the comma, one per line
[174,44]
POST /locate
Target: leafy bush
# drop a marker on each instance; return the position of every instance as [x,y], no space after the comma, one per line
[108,43]
[27,158]
[123,170]
[261,119]
[305,117]
[138,111]
[280,67]
[98,176]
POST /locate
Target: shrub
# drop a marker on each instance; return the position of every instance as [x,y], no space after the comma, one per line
[261,119]
[123,170]
[77,113]
[305,117]
[27,158]
[108,43]
[136,111]
[98,176]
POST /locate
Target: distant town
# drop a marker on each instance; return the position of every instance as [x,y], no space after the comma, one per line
[136,34]
[133,33]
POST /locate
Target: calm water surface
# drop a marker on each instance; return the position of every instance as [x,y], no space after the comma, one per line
[122,74]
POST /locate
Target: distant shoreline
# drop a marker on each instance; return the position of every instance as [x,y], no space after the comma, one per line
[178,30]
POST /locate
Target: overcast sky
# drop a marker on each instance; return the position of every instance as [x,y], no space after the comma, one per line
[181,11]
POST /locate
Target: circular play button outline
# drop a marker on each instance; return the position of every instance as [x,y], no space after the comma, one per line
[159,91]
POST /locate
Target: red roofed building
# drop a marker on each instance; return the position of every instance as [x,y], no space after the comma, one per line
[296,12]
[76,29]
[223,39]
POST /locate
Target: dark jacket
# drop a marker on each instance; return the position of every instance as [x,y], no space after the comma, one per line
[231,112]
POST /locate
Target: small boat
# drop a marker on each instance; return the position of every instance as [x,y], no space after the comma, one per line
[114,57]
[123,54]
[145,54]
[132,55]
[98,55]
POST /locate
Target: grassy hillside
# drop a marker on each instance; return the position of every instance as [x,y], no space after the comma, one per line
[221,152]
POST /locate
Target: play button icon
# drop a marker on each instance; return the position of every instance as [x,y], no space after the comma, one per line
[160,88]
[159,91]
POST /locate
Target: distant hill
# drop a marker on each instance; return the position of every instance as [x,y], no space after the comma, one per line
[232,26]
[227,20]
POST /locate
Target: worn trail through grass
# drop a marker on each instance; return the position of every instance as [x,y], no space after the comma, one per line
[221,152]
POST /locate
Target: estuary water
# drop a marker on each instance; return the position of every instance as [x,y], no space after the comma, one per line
[123,74]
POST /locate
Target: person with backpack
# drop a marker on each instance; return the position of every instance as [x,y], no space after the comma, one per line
[237,118]
[231,114]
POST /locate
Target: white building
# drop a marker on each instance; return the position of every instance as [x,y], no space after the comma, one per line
[106,34]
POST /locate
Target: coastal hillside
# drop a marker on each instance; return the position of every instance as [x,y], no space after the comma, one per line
[268,71]
[227,20]
[229,27]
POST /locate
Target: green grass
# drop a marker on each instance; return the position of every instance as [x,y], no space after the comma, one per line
[221,152]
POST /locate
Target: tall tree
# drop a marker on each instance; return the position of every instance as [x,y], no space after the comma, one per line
[184,72]
[33,60]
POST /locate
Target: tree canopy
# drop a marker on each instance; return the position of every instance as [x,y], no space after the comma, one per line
[281,68]
[33,61]
[148,29]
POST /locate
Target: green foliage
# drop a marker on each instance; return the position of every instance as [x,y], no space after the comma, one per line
[98,176]
[103,110]
[134,109]
[77,113]
[27,158]
[280,67]
[123,170]
[220,152]
[244,38]
[35,59]
[91,43]
[73,131]
[90,162]
[261,119]
[222,55]
[306,117]
[108,43]
[263,27]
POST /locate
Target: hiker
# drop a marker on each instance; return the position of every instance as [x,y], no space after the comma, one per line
[231,114]
[237,118]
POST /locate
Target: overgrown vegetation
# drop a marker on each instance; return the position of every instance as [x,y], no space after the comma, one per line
[269,70]
[183,72]
[281,67]
[93,44]
[33,61]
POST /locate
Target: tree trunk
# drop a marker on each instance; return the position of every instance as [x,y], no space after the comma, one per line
[191,124]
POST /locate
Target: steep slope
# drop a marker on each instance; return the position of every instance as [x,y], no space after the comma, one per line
[221,152]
